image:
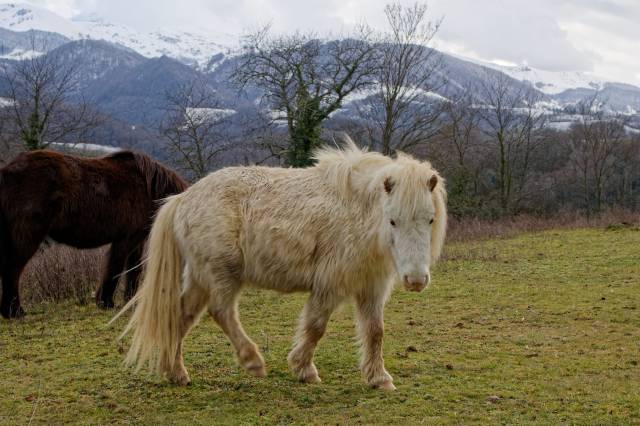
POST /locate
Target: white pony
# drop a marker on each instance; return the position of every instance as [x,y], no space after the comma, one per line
[342,228]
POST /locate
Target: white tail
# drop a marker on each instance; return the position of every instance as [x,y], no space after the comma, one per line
[156,320]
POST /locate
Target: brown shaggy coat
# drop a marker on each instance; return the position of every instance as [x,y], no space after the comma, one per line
[83,203]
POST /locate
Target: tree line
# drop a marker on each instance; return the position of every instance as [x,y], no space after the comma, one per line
[491,141]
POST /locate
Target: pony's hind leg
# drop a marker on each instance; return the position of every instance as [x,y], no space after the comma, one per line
[193,301]
[313,323]
[223,307]
[115,266]
[133,269]
[371,329]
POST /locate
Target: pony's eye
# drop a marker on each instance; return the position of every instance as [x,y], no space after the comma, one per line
[431,221]
[392,222]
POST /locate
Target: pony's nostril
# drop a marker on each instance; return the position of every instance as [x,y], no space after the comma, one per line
[424,279]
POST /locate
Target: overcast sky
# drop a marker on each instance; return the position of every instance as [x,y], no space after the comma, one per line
[601,36]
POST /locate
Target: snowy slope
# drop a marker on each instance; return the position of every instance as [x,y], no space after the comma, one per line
[552,82]
[188,47]
[23,17]
[548,82]
[18,54]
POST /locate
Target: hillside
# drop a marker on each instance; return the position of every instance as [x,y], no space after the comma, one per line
[208,52]
[192,48]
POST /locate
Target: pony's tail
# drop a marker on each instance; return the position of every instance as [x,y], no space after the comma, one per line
[156,321]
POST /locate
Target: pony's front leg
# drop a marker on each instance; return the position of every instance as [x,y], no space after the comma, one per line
[10,304]
[371,330]
[313,323]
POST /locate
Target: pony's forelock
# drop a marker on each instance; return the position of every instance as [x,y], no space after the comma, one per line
[439,228]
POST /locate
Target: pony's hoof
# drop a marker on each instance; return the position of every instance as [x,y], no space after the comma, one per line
[105,304]
[386,386]
[13,312]
[180,377]
[309,374]
[182,380]
[259,371]
[312,379]
[251,360]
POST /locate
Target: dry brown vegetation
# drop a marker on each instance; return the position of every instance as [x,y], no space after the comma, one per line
[57,273]
[469,229]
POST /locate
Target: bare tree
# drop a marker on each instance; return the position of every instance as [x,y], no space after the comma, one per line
[459,150]
[403,110]
[45,102]
[194,127]
[627,173]
[461,123]
[510,119]
[305,79]
[596,139]
[9,146]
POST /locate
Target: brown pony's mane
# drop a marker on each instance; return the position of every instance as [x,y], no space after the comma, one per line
[161,181]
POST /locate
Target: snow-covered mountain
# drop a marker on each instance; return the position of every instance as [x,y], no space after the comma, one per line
[548,82]
[197,49]
[24,17]
[186,46]
[127,71]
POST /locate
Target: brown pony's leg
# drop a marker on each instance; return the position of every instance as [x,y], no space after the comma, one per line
[115,266]
[133,269]
[15,263]
[10,305]
[313,323]
[371,329]
[223,307]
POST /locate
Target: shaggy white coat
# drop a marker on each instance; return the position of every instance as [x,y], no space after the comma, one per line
[345,228]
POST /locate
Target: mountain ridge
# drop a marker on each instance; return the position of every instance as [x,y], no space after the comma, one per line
[131,85]
[198,49]
[190,47]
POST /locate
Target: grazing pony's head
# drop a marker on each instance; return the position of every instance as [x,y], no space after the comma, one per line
[408,199]
[161,181]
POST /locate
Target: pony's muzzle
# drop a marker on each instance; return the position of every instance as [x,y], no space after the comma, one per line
[416,283]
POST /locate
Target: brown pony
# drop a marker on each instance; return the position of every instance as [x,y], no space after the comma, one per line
[83,203]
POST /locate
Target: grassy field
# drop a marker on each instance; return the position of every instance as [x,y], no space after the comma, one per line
[541,328]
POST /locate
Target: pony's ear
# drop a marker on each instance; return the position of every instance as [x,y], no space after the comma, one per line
[388,185]
[433,182]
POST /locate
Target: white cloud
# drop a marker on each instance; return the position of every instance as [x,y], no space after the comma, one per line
[65,8]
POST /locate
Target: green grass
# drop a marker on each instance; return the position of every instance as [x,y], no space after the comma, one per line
[543,328]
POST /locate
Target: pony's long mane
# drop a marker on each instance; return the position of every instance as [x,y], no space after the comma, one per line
[161,181]
[357,173]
